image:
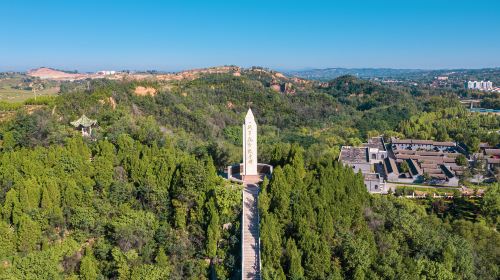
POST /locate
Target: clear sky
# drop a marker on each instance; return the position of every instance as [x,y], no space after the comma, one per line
[174,35]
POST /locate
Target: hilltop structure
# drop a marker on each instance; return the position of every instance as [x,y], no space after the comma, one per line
[250,170]
[250,173]
[85,125]
[249,146]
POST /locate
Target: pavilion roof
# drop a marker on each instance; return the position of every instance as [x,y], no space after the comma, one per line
[84,121]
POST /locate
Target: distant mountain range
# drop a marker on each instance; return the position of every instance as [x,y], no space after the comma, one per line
[332,73]
[457,76]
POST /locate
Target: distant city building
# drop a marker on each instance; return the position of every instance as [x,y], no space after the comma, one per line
[479,85]
[106,72]
[442,78]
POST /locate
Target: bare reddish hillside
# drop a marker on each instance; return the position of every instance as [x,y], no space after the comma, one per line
[47,73]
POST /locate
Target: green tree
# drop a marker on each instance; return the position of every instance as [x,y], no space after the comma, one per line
[279,191]
[104,163]
[7,241]
[461,160]
[294,261]
[161,258]
[9,142]
[28,235]
[404,166]
[122,267]
[89,269]
[271,248]
[315,255]
[29,195]
[213,231]
[149,272]
[491,204]
[134,229]
[11,208]
[427,177]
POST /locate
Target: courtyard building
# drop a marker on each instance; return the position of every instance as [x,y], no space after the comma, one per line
[414,161]
[367,159]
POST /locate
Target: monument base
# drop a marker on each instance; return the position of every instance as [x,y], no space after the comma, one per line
[252,179]
[234,173]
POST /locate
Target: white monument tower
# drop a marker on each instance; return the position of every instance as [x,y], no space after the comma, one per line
[249,145]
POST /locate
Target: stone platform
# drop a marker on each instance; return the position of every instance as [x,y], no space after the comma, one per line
[234,173]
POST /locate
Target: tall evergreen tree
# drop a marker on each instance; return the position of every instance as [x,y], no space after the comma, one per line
[88,267]
[28,235]
[294,261]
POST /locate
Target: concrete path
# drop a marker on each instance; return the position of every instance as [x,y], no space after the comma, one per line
[392,186]
[250,260]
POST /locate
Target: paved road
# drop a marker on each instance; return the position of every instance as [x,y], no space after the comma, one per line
[394,185]
[250,233]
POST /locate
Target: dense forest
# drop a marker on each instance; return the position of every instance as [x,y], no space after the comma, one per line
[320,223]
[124,211]
[144,198]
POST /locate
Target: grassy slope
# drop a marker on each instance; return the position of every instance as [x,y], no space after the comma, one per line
[9,94]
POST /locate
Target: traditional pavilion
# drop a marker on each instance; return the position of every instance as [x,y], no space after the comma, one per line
[85,125]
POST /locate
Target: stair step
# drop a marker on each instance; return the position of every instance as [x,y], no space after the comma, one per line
[251,248]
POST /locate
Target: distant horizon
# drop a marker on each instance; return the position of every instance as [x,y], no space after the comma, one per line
[70,69]
[176,35]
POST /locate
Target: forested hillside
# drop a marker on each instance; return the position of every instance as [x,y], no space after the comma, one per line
[124,211]
[320,223]
[143,199]
[206,114]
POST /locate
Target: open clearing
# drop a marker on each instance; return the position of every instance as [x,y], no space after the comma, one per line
[17,95]
[10,94]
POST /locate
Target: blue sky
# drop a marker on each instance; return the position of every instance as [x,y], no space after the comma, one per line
[175,35]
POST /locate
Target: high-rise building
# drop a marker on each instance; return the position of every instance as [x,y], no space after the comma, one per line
[479,85]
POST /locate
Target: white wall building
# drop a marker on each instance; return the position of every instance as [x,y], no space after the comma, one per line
[106,72]
[480,85]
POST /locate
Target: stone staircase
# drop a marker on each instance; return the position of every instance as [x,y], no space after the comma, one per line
[250,268]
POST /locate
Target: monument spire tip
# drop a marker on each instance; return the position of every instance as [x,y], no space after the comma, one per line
[249,112]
